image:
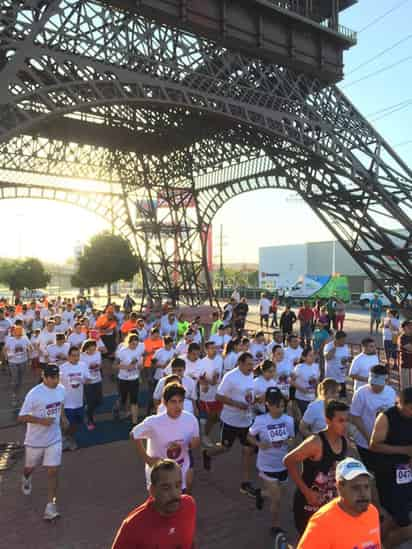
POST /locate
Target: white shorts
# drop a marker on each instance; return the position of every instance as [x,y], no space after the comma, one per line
[48,457]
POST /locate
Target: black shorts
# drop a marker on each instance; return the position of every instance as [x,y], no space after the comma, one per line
[229,434]
[128,388]
[281,476]
[264,317]
[395,499]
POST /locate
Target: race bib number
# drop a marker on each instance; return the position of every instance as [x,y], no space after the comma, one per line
[53,409]
[277,433]
[403,474]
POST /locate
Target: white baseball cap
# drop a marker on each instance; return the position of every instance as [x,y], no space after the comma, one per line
[350,468]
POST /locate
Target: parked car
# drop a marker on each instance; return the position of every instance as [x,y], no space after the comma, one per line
[367,297]
[33,294]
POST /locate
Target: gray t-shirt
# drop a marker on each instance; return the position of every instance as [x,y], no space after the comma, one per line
[276,432]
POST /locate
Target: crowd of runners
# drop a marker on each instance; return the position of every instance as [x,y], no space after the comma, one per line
[300,405]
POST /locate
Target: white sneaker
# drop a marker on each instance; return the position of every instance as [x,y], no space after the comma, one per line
[206,442]
[26,485]
[51,512]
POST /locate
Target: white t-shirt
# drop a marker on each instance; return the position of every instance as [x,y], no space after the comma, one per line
[45,338]
[307,377]
[264,306]
[73,377]
[93,363]
[76,340]
[387,332]
[361,366]
[17,349]
[314,416]
[132,358]
[336,367]
[239,387]
[163,357]
[43,402]
[292,356]
[167,328]
[57,354]
[270,346]
[260,385]
[276,432]
[4,329]
[181,347]
[34,341]
[220,341]
[168,438]
[367,405]
[190,388]
[258,351]
[192,368]
[209,367]
[61,328]
[284,370]
[68,317]
[230,361]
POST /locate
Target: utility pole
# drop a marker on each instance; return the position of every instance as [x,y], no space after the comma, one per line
[222,271]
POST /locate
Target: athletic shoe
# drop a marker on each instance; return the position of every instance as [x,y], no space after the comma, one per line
[91,426]
[207,460]
[26,485]
[51,512]
[259,499]
[206,442]
[280,539]
[247,489]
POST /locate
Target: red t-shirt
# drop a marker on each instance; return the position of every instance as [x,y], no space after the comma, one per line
[144,528]
[305,314]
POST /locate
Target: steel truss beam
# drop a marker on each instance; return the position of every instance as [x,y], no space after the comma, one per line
[75,56]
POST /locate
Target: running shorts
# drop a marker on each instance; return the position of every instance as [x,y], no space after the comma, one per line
[51,456]
[229,434]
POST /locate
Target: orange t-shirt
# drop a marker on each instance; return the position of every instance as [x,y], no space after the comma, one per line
[150,347]
[332,528]
[128,325]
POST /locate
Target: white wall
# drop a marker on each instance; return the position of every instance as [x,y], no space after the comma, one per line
[289,261]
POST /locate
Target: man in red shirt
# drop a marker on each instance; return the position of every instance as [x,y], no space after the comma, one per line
[166,520]
[305,316]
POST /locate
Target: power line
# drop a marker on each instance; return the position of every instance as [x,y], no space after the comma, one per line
[407,101]
[380,17]
[378,55]
[375,73]
[393,111]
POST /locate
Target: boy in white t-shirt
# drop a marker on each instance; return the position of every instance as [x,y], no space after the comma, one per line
[169,435]
[42,412]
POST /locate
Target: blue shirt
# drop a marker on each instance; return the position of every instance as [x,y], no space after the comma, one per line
[376,307]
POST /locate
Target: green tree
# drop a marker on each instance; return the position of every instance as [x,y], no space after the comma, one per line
[106,259]
[20,274]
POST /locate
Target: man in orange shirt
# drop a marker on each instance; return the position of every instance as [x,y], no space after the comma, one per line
[350,521]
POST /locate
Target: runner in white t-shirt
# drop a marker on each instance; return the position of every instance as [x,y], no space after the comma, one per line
[293,351]
[231,354]
[41,412]
[210,374]
[130,359]
[162,357]
[236,393]
[314,419]
[17,349]
[283,371]
[220,339]
[77,337]
[368,402]
[391,327]
[305,379]
[277,340]
[192,361]
[363,362]
[257,347]
[272,433]
[178,369]
[337,360]
[47,337]
[264,378]
[57,353]
[73,376]
[169,435]
[93,390]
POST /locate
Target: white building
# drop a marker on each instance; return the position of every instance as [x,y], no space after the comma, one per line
[281,266]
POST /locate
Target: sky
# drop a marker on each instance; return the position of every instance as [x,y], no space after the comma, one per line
[50,230]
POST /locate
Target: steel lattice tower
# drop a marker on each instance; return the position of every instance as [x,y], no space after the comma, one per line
[176,106]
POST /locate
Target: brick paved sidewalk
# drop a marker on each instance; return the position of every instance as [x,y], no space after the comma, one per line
[98,487]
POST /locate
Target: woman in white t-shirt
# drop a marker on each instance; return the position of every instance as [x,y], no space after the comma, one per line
[305,378]
[130,359]
[391,326]
[283,371]
[272,433]
[231,354]
[265,374]
[93,390]
[17,350]
[314,419]
[162,357]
